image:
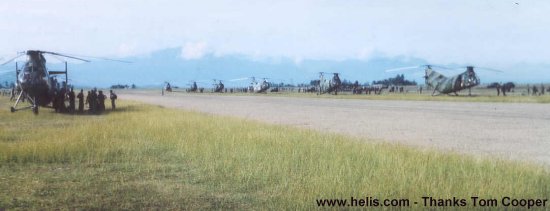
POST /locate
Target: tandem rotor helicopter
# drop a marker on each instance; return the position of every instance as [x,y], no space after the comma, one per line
[218,86]
[259,87]
[328,85]
[193,87]
[446,85]
[35,83]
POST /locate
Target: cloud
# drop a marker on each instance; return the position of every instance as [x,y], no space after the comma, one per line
[194,50]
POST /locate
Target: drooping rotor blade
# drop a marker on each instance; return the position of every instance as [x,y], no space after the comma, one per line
[6,71]
[14,58]
[480,68]
[403,68]
[490,69]
[72,57]
[417,67]
[239,79]
[107,59]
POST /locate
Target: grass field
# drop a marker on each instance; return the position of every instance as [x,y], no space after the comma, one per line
[148,157]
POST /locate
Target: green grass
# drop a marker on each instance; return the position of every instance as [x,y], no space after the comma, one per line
[148,157]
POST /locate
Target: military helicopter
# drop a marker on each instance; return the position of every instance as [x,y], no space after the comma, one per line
[329,85]
[447,85]
[167,86]
[193,87]
[218,86]
[259,87]
[34,82]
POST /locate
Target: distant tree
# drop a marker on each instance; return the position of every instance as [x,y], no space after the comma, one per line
[314,82]
[493,85]
[133,86]
[509,86]
[398,80]
[118,86]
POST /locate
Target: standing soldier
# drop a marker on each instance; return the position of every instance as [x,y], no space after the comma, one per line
[61,101]
[12,97]
[101,101]
[498,89]
[542,89]
[113,98]
[80,97]
[93,101]
[88,100]
[55,104]
[71,101]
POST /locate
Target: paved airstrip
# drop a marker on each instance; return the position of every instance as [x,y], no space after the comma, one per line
[505,130]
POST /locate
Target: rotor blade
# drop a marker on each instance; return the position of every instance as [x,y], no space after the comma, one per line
[490,69]
[107,59]
[6,71]
[239,79]
[436,66]
[403,68]
[14,58]
[72,57]
[480,68]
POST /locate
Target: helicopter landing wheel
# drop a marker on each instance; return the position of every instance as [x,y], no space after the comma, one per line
[12,109]
[35,110]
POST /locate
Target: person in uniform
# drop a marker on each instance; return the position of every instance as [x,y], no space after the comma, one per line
[113,97]
[55,104]
[101,101]
[71,101]
[12,96]
[498,89]
[80,97]
[93,101]
[61,101]
[88,100]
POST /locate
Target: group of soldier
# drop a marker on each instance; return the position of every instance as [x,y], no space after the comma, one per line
[94,99]
[534,90]
[531,90]
[501,89]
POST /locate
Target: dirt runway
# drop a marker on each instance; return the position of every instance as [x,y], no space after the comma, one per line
[505,130]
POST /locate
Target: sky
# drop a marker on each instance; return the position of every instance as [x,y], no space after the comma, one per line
[501,34]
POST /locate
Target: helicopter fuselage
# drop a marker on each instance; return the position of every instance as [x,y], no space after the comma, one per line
[260,87]
[329,85]
[219,87]
[34,79]
[446,85]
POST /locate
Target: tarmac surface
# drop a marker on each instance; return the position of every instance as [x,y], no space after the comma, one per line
[506,130]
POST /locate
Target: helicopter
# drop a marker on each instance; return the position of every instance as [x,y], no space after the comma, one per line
[193,87]
[329,85]
[218,87]
[447,85]
[259,87]
[35,83]
[167,86]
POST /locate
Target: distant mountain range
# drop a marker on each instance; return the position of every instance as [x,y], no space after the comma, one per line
[168,65]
